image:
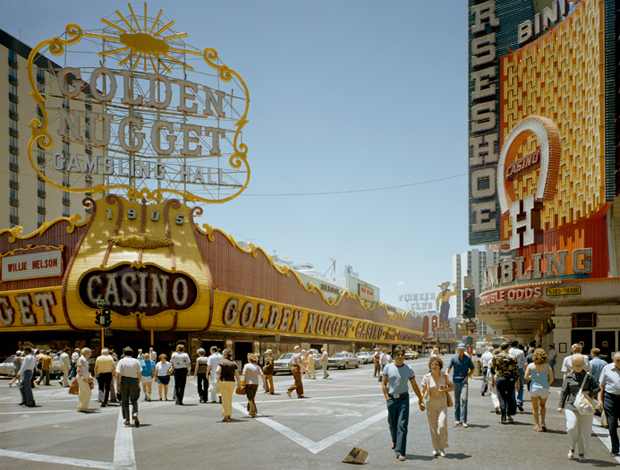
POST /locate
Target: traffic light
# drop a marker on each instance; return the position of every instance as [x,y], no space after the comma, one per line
[469,303]
[98,318]
[106,317]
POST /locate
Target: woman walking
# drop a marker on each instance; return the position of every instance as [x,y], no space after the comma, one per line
[84,379]
[578,427]
[17,364]
[310,368]
[200,373]
[228,378]
[252,371]
[164,369]
[435,387]
[148,372]
[539,375]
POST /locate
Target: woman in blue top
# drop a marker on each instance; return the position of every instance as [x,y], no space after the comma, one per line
[148,372]
[540,376]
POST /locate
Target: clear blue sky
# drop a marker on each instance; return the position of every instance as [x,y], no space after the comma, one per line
[345,95]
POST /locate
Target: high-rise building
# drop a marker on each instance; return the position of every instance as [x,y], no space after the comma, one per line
[472,263]
[32,201]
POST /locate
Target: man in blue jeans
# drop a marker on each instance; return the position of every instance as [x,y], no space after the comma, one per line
[463,370]
[395,384]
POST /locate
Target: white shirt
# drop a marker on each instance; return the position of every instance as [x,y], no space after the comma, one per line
[65,361]
[552,354]
[83,368]
[153,357]
[129,367]
[180,360]
[251,372]
[213,360]
[324,358]
[384,359]
[567,364]
[28,363]
[163,368]
[610,379]
[518,354]
[486,358]
[75,356]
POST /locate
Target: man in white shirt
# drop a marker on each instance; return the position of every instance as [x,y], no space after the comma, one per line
[214,359]
[29,362]
[567,364]
[609,399]
[182,369]
[485,359]
[153,355]
[552,355]
[65,366]
[74,358]
[520,356]
[325,362]
[129,376]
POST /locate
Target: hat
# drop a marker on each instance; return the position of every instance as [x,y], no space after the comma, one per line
[269,351]
[444,285]
[461,346]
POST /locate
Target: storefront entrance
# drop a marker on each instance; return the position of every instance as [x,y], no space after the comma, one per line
[583,338]
[242,348]
[606,342]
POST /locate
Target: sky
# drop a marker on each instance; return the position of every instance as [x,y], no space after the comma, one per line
[345,96]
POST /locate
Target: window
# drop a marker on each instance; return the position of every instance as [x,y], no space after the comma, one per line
[13,194]
[13,176]
[41,202]
[12,56]
[66,211]
[41,80]
[13,107]
[13,125]
[14,212]
[65,181]
[13,159]
[41,185]
[65,104]
[40,219]
[13,142]
[12,73]
[12,89]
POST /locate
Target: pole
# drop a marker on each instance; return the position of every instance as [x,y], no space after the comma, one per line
[153,338]
[102,336]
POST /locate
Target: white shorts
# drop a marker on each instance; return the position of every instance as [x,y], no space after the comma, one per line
[146,380]
[539,392]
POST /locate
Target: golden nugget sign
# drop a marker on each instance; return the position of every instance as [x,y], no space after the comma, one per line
[147,118]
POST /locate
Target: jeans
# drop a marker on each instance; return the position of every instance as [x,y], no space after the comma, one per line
[180,378]
[483,387]
[104,379]
[45,374]
[611,404]
[521,382]
[398,420]
[130,391]
[460,401]
[506,396]
[25,388]
[203,386]
[552,365]
[73,371]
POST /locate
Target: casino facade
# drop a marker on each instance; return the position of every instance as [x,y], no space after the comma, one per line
[148,140]
[544,169]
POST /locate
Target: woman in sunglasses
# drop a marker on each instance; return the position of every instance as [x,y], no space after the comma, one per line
[578,426]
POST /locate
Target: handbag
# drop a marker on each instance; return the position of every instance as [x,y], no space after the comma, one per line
[585,405]
[449,399]
[240,390]
[74,389]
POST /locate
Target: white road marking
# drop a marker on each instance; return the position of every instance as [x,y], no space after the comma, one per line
[603,435]
[341,397]
[316,447]
[124,455]
[57,460]
[33,412]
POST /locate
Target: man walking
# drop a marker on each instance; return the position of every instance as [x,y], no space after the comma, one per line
[520,357]
[129,375]
[505,366]
[395,379]
[182,368]
[552,355]
[104,365]
[485,359]
[567,364]
[214,359]
[609,399]
[463,370]
[324,362]
[46,367]
[65,366]
[596,363]
[268,369]
[74,358]
[29,362]
[377,361]
[296,371]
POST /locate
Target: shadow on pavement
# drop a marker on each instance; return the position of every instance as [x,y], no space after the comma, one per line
[601,463]
[458,456]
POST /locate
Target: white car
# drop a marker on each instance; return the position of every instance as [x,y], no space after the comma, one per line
[343,360]
[8,366]
[283,363]
[366,357]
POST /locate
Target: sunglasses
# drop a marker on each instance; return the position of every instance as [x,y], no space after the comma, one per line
[398,355]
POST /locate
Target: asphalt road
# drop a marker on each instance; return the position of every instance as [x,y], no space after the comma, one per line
[344,411]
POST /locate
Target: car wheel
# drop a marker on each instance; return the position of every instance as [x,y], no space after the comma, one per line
[357,366]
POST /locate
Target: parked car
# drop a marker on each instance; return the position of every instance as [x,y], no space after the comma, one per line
[343,360]
[365,357]
[411,354]
[7,366]
[283,363]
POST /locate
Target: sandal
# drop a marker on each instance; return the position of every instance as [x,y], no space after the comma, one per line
[537,428]
[544,428]
[503,422]
[509,419]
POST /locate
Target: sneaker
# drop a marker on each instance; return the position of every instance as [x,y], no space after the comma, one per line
[465,424]
[435,453]
[126,422]
[136,421]
[457,423]
[571,454]
[442,453]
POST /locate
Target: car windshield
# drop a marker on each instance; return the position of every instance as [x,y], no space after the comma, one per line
[339,355]
[286,356]
[10,359]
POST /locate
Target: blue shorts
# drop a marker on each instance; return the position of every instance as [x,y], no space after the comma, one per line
[163,379]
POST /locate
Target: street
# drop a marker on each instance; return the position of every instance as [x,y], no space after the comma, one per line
[344,411]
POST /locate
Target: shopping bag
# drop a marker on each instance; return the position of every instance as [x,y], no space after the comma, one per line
[585,405]
[74,389]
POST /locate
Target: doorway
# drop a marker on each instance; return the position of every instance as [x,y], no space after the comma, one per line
[208,344]
[583,338]
[606,342]
[242,349]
